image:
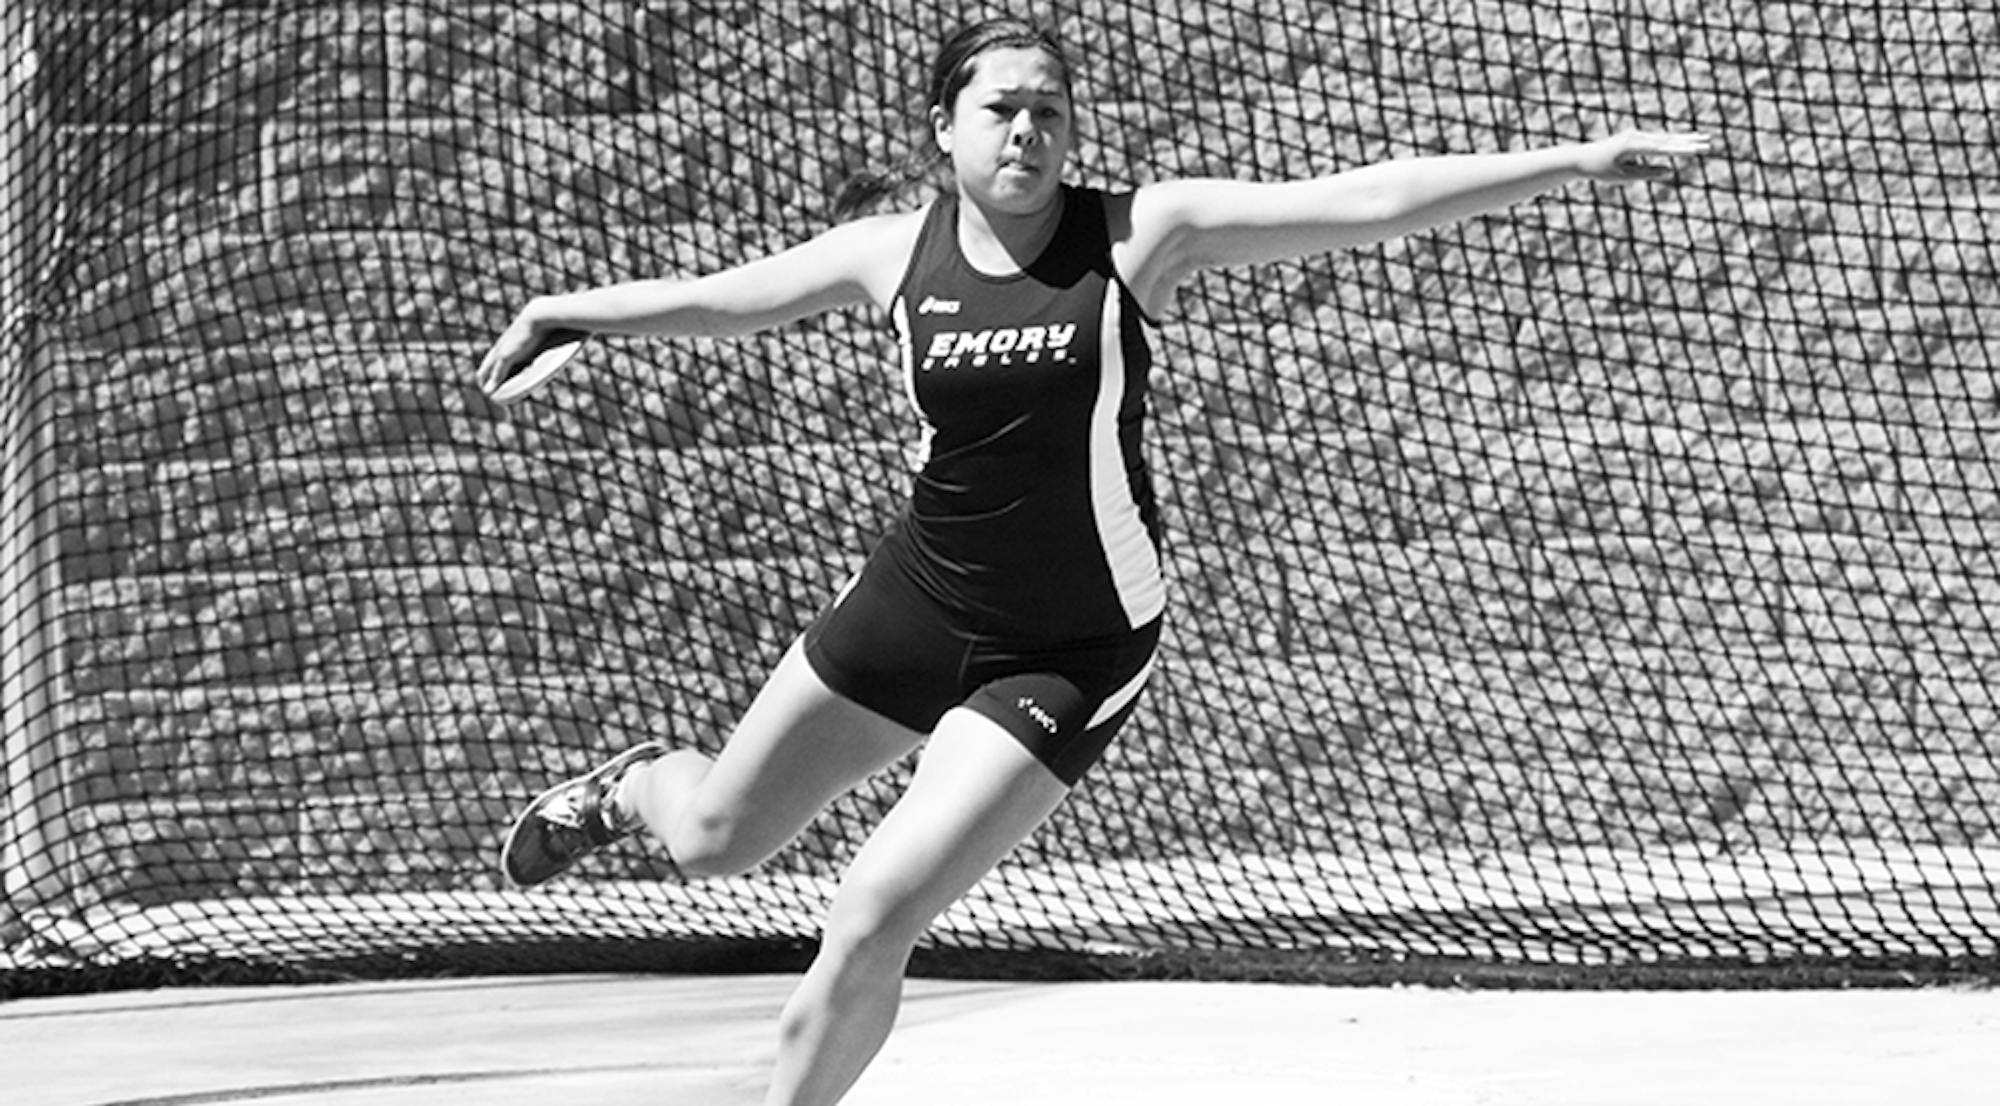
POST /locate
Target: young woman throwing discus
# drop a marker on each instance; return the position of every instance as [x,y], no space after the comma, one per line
[1007,620]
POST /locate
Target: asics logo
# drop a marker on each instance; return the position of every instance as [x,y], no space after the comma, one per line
[935,306]
[952,348]
[1032,709]
[562,809]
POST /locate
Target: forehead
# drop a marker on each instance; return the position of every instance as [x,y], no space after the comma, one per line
[1016,69]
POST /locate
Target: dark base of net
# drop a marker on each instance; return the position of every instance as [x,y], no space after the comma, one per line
[756,957]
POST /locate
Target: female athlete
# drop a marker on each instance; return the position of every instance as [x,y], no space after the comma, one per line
[1007,620]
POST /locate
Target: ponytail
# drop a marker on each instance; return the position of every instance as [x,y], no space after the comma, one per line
[863,191]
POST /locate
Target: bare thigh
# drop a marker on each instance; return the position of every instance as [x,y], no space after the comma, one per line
[798,747]
[977,794]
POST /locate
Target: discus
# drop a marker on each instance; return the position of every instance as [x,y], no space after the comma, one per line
[557,347]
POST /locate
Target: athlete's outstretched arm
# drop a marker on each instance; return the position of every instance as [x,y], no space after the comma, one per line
[1205,224]
[849,265]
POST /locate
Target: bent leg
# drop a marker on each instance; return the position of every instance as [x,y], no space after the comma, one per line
[976,795]
[798,747]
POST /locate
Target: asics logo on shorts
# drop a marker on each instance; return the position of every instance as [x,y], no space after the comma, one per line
[1033,710]
[951,349]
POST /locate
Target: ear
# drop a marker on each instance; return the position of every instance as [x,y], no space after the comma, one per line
[941,129]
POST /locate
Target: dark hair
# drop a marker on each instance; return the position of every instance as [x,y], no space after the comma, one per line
[951,71]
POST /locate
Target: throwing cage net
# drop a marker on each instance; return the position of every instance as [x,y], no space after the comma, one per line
[1602,586]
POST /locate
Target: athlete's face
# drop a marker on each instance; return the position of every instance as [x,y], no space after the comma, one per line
[1008,133]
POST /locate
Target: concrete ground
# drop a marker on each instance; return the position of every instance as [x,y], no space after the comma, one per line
[705,1041]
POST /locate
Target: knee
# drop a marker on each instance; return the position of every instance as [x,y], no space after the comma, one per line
[705,839]
[871,923]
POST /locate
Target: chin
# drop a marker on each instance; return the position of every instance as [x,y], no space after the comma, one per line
[1017,200]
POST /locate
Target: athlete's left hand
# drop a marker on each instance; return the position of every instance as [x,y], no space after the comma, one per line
[1640,155]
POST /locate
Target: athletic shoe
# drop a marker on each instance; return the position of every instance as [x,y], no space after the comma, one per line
[567,822]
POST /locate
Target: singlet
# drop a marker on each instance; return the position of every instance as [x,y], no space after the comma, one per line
[1032,512]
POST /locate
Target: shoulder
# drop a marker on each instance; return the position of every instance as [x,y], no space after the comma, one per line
[1150,228]
[1165,233]
[876,249]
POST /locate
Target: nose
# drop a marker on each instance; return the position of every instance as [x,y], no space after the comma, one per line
[1023,130]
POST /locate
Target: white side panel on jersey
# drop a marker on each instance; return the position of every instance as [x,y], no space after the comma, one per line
[1128,548]
[906,343]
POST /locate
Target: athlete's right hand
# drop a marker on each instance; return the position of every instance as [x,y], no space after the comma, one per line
[512,350]
[517,348]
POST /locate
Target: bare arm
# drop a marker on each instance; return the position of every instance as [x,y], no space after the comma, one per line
[852,264]
[1181,228]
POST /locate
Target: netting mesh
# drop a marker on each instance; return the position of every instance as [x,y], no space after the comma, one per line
[1608,582]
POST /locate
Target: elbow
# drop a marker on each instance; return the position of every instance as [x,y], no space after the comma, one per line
[700,322]
[1381,198]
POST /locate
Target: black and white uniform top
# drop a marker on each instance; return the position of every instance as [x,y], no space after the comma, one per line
[1032,515]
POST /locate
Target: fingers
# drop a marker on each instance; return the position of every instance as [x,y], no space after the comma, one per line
[492,370]
[1640,165]
[1677,145]
[1653,155]
[510,352]
[519,366]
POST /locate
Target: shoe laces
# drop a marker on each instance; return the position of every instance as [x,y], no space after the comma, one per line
[565,808]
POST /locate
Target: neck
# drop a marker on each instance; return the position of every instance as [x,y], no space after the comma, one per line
[1002,242]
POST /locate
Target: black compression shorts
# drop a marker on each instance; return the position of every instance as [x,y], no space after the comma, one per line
[889,647]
